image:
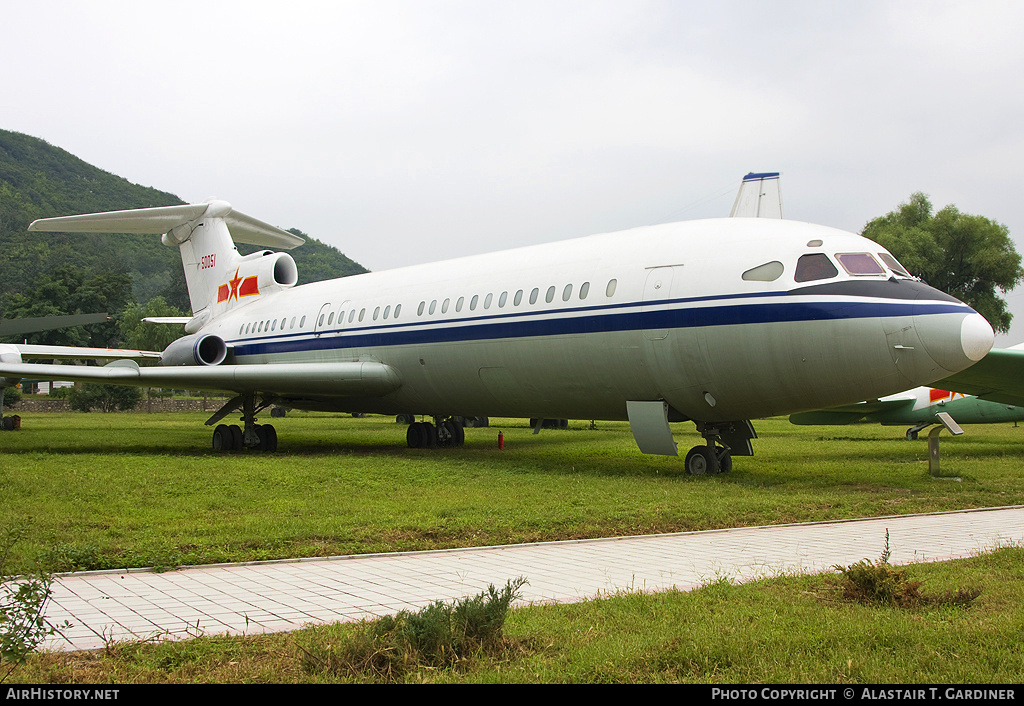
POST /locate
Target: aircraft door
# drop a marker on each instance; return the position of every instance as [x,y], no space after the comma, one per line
[657,289]
[321,319]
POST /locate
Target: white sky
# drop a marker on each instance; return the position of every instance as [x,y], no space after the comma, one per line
[411,131]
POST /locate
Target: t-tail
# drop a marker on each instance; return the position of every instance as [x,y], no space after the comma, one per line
[218,277]
[759,197]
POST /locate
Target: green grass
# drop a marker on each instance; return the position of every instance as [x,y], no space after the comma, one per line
[117,490]
[796,629]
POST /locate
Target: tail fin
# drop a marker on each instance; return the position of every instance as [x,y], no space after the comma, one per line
[218,278]
[759,197]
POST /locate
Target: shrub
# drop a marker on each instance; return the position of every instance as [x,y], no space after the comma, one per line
[437,636]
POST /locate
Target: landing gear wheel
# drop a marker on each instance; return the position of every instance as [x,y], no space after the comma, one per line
[268,438]
[701,460]
[415,436]
[911,435]
[724,461]
[222,438]
[236,437]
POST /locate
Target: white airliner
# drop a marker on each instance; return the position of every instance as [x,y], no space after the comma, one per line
[717,322]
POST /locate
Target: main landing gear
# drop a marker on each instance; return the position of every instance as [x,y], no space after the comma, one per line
[444,433]
[724,440]
[258,437]
[708,459]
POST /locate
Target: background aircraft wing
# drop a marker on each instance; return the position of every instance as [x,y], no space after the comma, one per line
[848,414]
[998,377]
[312,379]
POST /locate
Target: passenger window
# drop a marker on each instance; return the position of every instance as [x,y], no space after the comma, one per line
[502,300]
[387,310]
[533,295]
[302,322]
[473,301]
[293,322]
[351,315]
[610,289]
[419,311]
[768,272]
[567,293]
[550,295]
[487,300]
[433,307]
[362,313]
[330,319]
[584,290]
[518,298]
[398,310]
[376,313]
[810,268]
[459,303]
[860,263]
[444,306]
[273,326]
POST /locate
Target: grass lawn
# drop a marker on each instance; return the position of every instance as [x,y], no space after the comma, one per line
[125,490]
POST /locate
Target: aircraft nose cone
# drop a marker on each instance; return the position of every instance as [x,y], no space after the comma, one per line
[976,337]
[956,352]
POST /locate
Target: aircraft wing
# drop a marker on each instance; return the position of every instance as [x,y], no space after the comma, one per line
[848,414]
[996,377]
[315,379]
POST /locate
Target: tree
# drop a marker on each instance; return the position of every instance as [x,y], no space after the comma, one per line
[105,397]
[137,334]
[969,257]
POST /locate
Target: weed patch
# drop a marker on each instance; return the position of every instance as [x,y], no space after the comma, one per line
[435,637]
[881,583]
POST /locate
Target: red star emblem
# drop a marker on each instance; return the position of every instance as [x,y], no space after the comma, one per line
[234,286]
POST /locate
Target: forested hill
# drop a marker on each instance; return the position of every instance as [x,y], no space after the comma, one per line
[38,180]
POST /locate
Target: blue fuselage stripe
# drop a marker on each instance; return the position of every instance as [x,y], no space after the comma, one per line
[589,320]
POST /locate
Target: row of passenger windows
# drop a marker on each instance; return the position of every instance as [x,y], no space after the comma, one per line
[476,301]
[485,302]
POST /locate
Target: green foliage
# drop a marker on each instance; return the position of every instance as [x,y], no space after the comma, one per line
[105,397]
[38,180]
[435,637]
[23,600]
[970,257]
[881,583]
[138,334]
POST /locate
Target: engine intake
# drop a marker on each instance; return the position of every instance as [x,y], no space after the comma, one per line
[197,349]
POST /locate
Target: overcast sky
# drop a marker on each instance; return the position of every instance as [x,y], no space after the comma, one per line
[407,132]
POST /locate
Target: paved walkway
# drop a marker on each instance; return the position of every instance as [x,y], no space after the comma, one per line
[285,595]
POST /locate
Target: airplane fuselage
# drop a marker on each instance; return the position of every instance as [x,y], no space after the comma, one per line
[708,316]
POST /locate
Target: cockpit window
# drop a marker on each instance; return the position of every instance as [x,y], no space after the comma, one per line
[894,264]
[768,272]
[860,263]
[814,267]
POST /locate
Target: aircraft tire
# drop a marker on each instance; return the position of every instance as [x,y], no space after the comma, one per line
[415,436]
[268,438]
[222,438]
[725,463]
[701,460]
[458,434]
[236,437]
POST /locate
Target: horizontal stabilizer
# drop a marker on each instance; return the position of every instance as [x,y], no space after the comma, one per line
[19,327]
[156,221]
